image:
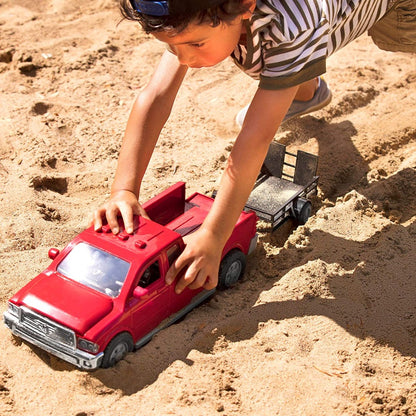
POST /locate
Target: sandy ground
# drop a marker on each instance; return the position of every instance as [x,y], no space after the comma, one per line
[324,322]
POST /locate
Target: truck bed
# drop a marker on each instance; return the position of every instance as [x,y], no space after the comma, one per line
[196,208]
[172,210]
[184,216]
[188,222]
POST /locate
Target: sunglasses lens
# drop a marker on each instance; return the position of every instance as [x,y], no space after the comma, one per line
[152,8]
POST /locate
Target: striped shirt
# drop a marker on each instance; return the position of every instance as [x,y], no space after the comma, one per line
[288,41]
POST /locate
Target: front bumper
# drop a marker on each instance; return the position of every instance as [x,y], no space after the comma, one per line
[79,358]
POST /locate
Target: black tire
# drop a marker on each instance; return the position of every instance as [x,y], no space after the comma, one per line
[231,269]
[117,349]
[303,210]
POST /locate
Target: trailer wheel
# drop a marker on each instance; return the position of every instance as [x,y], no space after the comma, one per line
[231,269]
[303,210]
[117,349]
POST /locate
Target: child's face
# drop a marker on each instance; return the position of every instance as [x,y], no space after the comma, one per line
[203,45]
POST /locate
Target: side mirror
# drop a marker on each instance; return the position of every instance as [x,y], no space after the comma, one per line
[140,292]
[52,253]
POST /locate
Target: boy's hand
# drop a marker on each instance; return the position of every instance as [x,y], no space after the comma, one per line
[122,203]
[202,257]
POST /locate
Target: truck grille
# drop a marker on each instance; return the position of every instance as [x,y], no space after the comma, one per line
[40,327]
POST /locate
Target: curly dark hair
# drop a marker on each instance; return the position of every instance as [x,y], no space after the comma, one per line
[225,12]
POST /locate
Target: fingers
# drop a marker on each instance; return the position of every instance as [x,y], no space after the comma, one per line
[211,282]
[174,270]
[124,204]
[171,273]
[126,212]
[112,221]
[143,213]
[97,220]
[110,214]
[200,280]
[181,262]
[193,278]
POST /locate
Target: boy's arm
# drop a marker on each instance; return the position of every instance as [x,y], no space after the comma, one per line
[147,118]
[204,248]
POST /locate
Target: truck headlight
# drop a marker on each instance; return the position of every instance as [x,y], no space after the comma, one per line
[84,344]
[13,309]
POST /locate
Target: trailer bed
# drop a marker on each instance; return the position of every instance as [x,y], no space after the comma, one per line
[273,194]
[283,186]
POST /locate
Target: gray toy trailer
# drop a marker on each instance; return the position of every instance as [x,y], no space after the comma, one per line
[284,186]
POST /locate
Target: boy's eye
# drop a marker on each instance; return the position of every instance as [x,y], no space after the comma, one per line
[197,45]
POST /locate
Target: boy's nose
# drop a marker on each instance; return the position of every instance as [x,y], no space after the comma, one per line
[184,57]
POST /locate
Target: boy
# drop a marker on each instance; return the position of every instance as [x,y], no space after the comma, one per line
[283,43]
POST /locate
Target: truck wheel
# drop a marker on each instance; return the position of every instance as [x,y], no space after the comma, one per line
[303,210]
[117,349]
[231,269]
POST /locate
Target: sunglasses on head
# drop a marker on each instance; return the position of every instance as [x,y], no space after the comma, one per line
[163,8]
[152,8]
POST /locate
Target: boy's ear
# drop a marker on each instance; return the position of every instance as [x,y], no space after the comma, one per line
[252,5]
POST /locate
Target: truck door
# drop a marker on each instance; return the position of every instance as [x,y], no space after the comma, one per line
[178,302]
[150,304]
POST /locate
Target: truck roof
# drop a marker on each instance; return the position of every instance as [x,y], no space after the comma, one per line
[148,239]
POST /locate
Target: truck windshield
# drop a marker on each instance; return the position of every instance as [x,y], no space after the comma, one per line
[95,268]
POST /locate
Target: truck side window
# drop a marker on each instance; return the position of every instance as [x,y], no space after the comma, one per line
[150,275]
[173,253]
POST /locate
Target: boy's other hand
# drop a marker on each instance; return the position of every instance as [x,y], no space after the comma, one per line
[122,203]
[201,257]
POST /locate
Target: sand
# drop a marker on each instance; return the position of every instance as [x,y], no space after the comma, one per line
[324,321]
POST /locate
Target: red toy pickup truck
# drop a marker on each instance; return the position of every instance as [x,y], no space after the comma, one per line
[105,294]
